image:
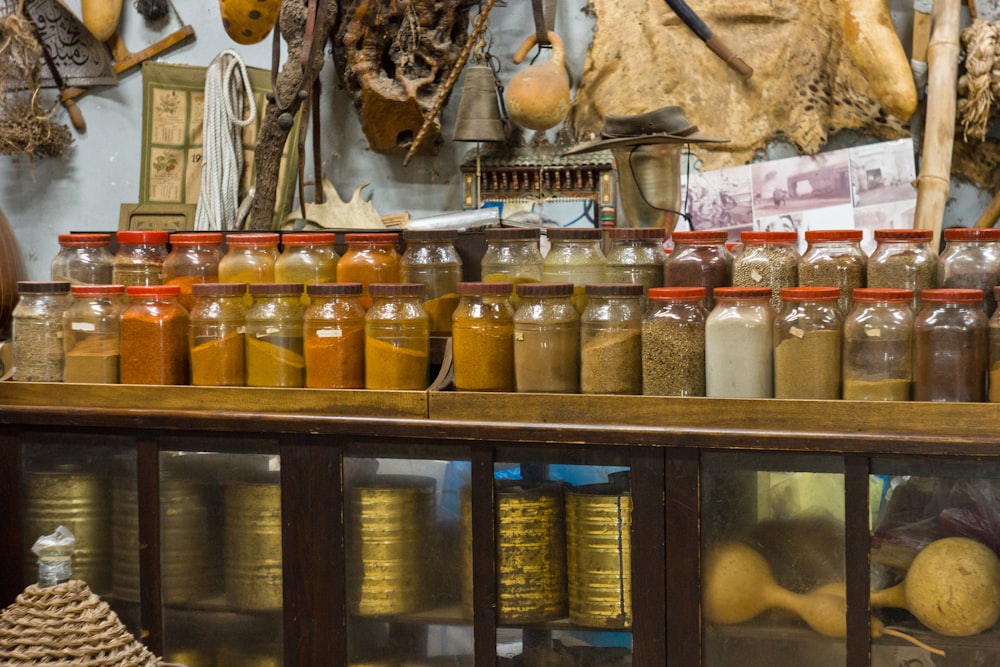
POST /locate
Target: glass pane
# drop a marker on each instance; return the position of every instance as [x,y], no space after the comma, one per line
[772,557]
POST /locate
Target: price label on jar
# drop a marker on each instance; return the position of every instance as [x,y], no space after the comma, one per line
[873,333]
[329,333]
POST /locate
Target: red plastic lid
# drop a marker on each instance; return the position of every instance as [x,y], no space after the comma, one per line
[76,240]
[677,293]
[196,238]
[614,289]
[373,239]
[903,235]
[218,289]
[334,289]
[700,237]
[396,289]
[636,233]
[275,289]
[96,290]
[952,295]
[971,234]
[742,292]
[769,237]
[309,238]
[810,293]
[834,235]
[545,289]
[882,294]
[263,238]
[153,290]
[484,288]
[147,237]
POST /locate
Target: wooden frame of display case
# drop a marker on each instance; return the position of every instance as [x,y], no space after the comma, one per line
[661,439]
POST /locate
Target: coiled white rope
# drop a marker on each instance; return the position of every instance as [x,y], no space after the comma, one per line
[222,143]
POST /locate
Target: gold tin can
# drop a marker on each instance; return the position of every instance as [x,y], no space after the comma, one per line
[390,527]
[80,502]
[252,546]
[531,552]
[465,553]
[250,656]
[194,657]
[599,555]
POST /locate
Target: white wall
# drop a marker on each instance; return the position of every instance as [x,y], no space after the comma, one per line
[84,191]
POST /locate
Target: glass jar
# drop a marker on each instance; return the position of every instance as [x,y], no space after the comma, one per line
[154,331]
[739,343]
[512,255]
[194,258]
[993,336]
[575,256]
[217,338]
[971,260]
[903,259]
[878,346]
[483,337]
[334,331]
[767,259]
[636,256]
[699,259]
[397,337]
[83,259]
[369,258]
[546,339]
[38,330]
[92,334]
[834,258]
[807,342]
[249,258]
[673,342]
[430,258]
[139,258]
[307,258]
[274,349]
[950,348]
[611,339]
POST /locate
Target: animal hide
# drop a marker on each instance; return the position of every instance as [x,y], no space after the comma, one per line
[804,85]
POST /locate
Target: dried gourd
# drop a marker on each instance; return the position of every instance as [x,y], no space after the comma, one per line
[249,21]
[101,17]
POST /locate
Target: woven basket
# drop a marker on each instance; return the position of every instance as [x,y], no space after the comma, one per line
[67,626]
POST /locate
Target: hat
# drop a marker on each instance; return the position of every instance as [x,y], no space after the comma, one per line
[667,125]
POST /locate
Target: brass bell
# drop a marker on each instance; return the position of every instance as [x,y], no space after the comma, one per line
[479,117]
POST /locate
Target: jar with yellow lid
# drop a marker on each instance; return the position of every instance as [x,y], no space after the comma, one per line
[274,343]
[92,334]
[334,332]
[194,258]
[154,331]
[430,258]
[397,337]
[483,337]
[139,258]
[217,338]
[307,257]
[369,258]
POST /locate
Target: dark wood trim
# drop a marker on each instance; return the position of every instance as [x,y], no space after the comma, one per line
[148,504]
[484,549]
[648,538]
[856,557]
[683,557]
[11,529]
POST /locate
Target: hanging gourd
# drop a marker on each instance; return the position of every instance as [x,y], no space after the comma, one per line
[249,21]
[101,17]
[538,96]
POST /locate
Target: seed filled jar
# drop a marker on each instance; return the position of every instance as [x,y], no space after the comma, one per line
[950,347]
[334,331]
[194,258]
[218,335]
[636,256]
[971,260]
[308,257]
[767,259]
[397,337]
[807,342]
[903,259]
[139,258]
[512,255]
[430,258]
[878,346]
[546,339]
[699,259]
[483,337]
[993,335]
[369,258]
[92,334]
[37,322]
[154,336]
[575,256]
[834,258]
[673,342]
[611,339]
[739,344]
[249,258]
[83,259]
[274,345]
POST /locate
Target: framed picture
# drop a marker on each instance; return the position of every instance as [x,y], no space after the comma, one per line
[169,217]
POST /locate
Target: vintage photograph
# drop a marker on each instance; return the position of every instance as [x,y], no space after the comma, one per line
[801,183]
[720,199]
[883,172]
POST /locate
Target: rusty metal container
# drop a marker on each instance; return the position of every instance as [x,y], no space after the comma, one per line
[390,521]
[252,546]
[599,555]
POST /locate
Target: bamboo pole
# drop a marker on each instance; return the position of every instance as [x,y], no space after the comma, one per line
[934,180]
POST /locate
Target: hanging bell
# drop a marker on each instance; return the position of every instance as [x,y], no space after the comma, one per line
[479,117]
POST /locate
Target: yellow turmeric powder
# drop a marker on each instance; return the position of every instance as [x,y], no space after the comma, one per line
[219,362]
[272,365]
[389,366]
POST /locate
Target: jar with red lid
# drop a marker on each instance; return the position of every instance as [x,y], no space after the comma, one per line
[950,346]
[369,258]
[334,333]
[483,337]
[307,257]
[154,336]
[83,259]
[739,343]
[92,334]
[834,258]
[807,344]
[878,346]
[673,342]
[397,337]
[249,258]
[139,258]
[699,259]
[971,260]
[274,341]
[636,256]
[218,335]
[546,339]
[194,258]
[767,259]
[611,339]
[993,336]
[903,259]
